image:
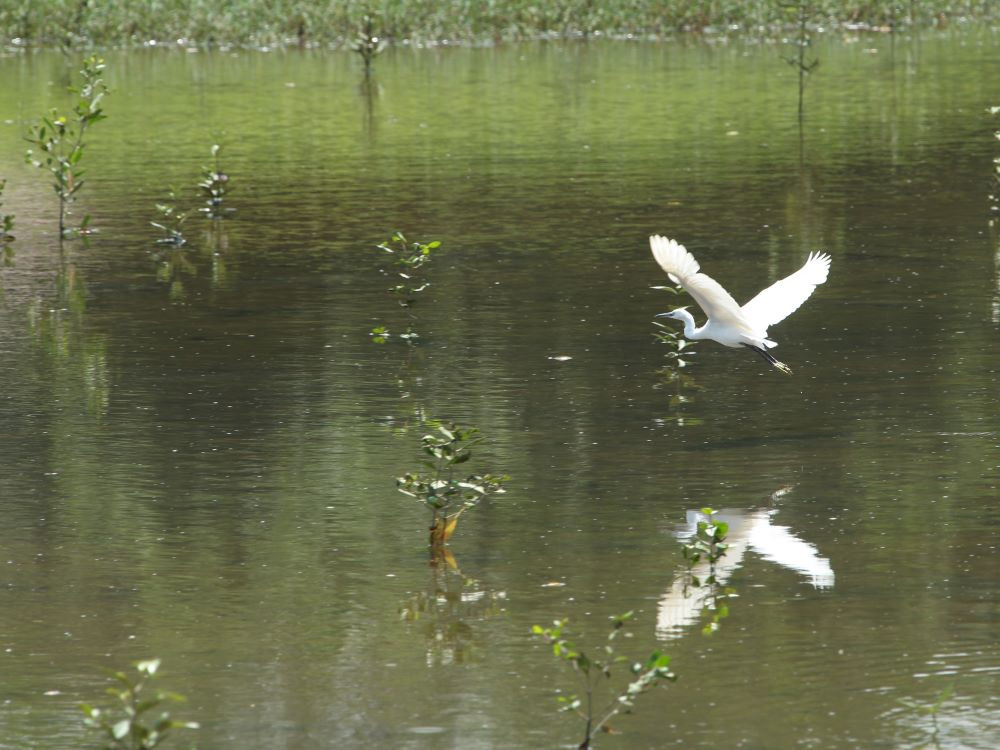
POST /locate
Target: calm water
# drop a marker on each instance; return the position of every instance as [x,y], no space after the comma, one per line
[199,449]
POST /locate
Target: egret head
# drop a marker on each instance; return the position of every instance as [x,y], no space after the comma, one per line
[679,314]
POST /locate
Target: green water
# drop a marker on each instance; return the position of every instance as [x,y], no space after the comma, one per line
[199,456]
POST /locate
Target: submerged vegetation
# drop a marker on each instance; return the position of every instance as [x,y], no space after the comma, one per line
[265,22]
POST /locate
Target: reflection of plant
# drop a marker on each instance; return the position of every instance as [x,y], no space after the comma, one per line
[214,184]
[174,265]
[447,606]
[410,258]
[368,44]
[127,728]
[709,544]
[59,140]
[646,674]
[170,221]
[6,220]
[446,496]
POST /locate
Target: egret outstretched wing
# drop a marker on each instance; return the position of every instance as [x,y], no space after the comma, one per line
[784,297]
[680,265]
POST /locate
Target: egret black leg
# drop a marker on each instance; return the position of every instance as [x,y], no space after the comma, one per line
[769,358]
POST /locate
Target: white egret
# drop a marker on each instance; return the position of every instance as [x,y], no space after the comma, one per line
[728,323]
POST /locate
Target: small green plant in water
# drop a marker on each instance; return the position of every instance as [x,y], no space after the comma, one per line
[214,184]
[931,709]
[596,714]
[679,348]
[708,545]
[6,220]
[368,44]
[678,357]
[439,489]
[130,726]
[171,221]
[803,12]
[410,259]
[58,142]
[994,196]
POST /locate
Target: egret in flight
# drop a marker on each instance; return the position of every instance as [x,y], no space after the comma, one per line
[728,323]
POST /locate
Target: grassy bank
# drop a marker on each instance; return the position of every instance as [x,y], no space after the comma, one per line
[332,22]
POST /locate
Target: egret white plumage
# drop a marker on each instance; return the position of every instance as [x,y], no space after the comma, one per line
[728,323]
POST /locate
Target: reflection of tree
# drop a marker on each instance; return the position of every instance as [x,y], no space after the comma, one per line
[216,245]
[74,358]
[446,607]
[748,530]
[174,265]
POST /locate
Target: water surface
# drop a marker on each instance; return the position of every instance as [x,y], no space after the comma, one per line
[200,448]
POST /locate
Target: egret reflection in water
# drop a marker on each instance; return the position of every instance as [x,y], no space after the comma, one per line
[681,605]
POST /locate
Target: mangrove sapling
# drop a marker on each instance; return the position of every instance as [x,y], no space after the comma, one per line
[410,258]
[803,41]
[931,709]
[214,184]
[368,44]
[646,674]
[673,339]
[58,142]
[994,195]
[129,726]
[6,220]
[170,221]
[709,544]
[446,496]
[678,357]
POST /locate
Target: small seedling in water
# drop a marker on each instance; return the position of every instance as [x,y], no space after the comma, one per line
[129,727]
[367,43]
[410,258]
[445,495]
[804,10]
[6,220]
[994,196]
[678,356]
[58,142]
[709,544]
[932,709]
[673,339]
[170,221]
[653,670]
[214,184]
